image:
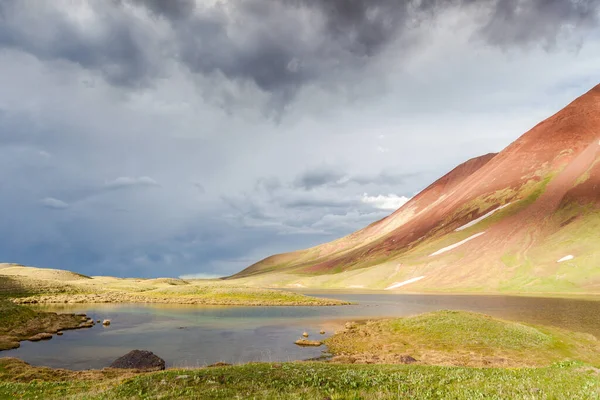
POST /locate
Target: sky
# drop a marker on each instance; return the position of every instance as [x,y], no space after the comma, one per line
[187,138]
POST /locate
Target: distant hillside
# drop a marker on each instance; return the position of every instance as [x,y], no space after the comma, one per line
[524,220]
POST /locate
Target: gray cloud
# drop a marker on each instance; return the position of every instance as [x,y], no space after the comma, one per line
[523,22]
[278,46]
[335,177]
[114,45]
[318,177]
[199,187]
[171,9]
[128,181]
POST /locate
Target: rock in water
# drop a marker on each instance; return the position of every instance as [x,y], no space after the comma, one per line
[139,359]
[40,336]
[106,322]
[306,342]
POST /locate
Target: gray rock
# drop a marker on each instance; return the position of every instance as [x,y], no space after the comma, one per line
[141,360]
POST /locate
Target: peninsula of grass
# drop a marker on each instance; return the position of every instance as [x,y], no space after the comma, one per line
[27,285]
[458,338]
[18,323]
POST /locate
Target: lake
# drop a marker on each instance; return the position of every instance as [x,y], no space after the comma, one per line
[192,336]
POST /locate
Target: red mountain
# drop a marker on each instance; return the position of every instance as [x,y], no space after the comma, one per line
[498,222]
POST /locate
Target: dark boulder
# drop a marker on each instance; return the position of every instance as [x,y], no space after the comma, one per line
[141,360]
[406,359]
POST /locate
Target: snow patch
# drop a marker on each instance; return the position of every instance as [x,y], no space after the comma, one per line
[566,258]
[475,221]
[399,284]
[455,245]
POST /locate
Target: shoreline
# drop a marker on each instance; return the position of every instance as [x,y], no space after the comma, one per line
[127,298]
[20,324]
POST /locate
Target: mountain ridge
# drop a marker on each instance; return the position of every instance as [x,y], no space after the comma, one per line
[498,209]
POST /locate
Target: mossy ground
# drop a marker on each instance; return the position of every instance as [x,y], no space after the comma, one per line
[465,339]
[567,380]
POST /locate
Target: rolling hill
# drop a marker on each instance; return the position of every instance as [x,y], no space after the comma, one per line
[524,220]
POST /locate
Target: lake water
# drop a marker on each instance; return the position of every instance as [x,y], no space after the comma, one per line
[189,336]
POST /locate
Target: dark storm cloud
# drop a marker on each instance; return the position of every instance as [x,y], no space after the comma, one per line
[279,46]
[172,9]
[116,50]
[277,58]
[522,22]
[318,177]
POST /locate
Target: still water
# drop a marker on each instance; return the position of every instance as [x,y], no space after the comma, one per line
[189,336]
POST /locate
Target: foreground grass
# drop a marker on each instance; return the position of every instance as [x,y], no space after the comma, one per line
[463,339]
[38,285]
[566,369]
[568,380]
[18,323]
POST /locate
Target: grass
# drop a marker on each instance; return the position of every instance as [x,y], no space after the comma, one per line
[18,323]
[567,380]
[465,339]
[574,231]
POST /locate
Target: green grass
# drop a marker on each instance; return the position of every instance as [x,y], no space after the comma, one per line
[319,381]
[18,323]
[13,315]
[464,338]
[572,230]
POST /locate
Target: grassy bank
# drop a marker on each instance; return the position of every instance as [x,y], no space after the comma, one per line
[545,363]
[18,323]
[28,285]
[567,380]
[461,338]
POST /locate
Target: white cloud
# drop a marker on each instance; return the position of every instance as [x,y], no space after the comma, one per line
[126,181]
[383,202]
[56,204]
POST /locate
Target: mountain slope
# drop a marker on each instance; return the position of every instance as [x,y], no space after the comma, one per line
[499,222]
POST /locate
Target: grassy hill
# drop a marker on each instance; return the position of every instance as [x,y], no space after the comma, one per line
[38,285]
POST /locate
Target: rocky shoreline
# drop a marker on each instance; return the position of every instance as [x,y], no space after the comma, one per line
[36,326]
